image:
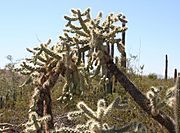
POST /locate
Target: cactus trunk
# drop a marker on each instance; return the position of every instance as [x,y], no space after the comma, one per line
[44,102]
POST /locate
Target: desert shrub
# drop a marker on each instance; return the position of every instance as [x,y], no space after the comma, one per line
[152,76]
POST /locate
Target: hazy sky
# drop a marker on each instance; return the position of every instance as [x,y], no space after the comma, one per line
[153,27]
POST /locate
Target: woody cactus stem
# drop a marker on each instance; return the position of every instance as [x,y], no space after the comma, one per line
[44,101]
[114,78]
[177,104]
[112,51]
[110,84]
[138,97]
[123,54]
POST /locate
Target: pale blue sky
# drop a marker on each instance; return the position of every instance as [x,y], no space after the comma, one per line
[155,22]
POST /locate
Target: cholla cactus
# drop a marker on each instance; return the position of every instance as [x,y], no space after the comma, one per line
[155,100]
[96,122]
[75,81]
[34,122]
[170,93]
[171,99]
[35,96]
[67,57]
[85,36]
[157,103]
[43,69]
[93,37]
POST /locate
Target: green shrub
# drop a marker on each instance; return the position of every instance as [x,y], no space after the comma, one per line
[152,76]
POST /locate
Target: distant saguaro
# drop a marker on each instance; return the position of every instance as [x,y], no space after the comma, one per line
[175,74]
[166,67]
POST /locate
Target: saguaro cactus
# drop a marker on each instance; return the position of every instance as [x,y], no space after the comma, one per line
[175,74]
[166,67]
